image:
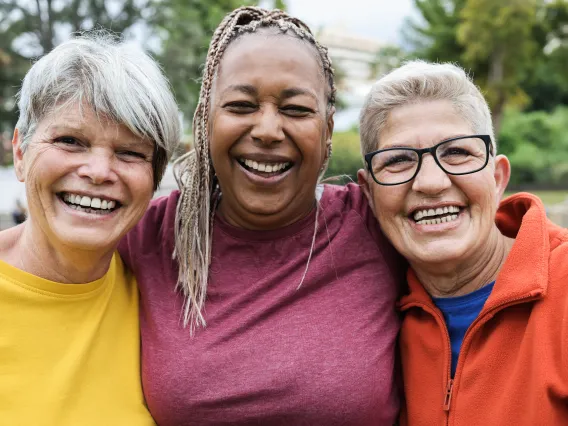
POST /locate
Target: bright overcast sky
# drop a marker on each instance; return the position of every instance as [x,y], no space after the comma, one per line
[379,19]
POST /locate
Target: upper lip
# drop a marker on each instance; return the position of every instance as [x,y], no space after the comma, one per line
[90,195]
[265,158]
[434,206]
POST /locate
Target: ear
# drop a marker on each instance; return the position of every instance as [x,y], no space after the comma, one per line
[18,155]
[502,175]
[365,182]
[330,124]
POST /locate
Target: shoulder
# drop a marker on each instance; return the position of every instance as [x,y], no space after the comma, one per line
[350,195]
[351,202]
[155,231]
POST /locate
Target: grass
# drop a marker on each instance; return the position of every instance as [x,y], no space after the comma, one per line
[549,198]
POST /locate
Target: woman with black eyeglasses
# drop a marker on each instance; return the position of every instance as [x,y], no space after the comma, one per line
[484,339]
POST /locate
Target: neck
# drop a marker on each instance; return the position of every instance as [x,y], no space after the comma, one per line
[260,222]
[36,254]
[481,268]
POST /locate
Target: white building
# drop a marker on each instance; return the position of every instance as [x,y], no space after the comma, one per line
[354,56]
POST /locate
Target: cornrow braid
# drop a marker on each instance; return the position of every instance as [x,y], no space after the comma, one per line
[194,171]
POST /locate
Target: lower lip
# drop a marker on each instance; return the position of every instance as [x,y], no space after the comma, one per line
[88,216]
[265,181]
[439,227]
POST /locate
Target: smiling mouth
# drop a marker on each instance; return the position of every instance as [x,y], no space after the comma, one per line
[85,204]
[436,216]
[265,169]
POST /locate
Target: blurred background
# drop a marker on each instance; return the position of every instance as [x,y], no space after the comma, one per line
[516,50]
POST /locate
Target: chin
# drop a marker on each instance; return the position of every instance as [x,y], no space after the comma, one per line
[437,252]
[88,239]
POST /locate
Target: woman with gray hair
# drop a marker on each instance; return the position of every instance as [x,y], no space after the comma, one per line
[97,125]
[484,339]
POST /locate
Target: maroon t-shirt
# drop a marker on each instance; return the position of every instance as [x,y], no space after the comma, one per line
[273,354]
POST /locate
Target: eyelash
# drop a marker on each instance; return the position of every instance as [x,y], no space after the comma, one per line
[71,141]
[236,106]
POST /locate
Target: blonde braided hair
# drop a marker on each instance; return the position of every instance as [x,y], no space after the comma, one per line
[194,171]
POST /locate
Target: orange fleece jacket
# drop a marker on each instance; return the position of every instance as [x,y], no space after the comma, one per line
[513,364]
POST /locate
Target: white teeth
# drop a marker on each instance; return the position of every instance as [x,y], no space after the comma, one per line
[265,167]
[96,203]
[85,201]
[424,217]
[421,214]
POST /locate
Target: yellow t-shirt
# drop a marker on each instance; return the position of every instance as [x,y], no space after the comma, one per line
[70,353]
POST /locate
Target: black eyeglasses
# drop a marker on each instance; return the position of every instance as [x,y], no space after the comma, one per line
[456,156]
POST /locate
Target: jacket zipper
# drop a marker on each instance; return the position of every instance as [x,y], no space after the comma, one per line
[448,392]
[448,398]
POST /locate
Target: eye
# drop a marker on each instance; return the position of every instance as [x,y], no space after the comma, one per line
[397,159]
[67,140]
[297,110]
[240,107]
[132,154]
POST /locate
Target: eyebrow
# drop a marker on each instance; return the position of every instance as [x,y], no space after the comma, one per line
[459,135]
[297,91]
[248,89]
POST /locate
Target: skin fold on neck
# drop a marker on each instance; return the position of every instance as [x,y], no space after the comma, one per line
[25,250]
[478,270]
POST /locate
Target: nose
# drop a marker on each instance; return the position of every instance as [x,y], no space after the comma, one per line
[98,168]
[268,127]
[431,179]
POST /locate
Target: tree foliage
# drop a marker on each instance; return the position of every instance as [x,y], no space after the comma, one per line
[503,44]
[184,28]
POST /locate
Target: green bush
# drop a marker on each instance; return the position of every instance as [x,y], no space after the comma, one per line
[537,146]
[346,157]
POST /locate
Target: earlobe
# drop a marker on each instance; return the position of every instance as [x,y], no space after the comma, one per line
[18,156]
[330,123]
[363,180]
[502,175]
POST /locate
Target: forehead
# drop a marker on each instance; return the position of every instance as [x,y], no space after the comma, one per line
[423,123]
[265,59]
[83,120]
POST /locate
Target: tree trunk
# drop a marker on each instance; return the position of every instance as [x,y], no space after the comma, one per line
[495,83]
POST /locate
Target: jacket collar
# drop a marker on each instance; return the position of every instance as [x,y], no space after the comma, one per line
[525,273]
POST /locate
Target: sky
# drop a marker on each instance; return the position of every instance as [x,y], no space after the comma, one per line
[378,19]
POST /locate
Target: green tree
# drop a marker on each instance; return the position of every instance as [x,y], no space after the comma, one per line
[30,28]
[499,42]
[434,35]
[547,86]
[498,38]
[185,28]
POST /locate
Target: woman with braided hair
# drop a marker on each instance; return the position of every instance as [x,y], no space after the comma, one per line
[284,310]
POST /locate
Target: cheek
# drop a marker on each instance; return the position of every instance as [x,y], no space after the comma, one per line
[389,208]
[224,131]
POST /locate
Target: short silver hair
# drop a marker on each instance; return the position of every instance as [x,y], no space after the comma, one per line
[418,81]
[115,79]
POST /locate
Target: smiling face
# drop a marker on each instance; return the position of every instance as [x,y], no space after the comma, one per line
[269,131]
[88,180]
[436,218]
